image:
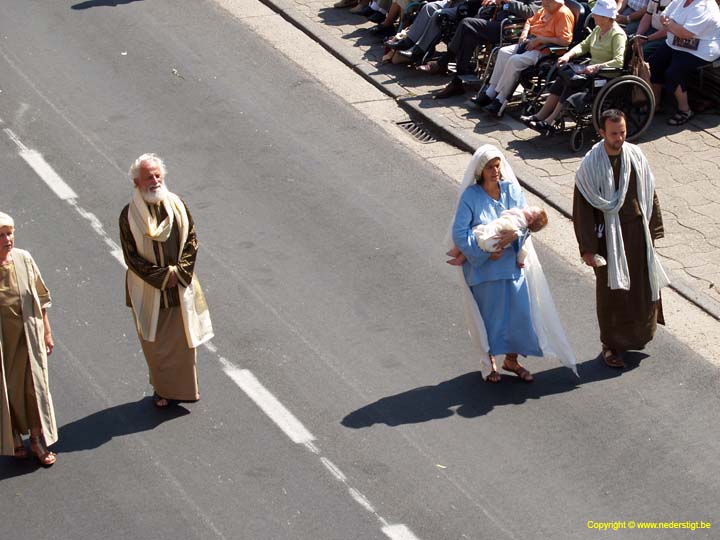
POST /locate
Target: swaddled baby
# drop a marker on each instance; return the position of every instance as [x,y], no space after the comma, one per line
[532,218]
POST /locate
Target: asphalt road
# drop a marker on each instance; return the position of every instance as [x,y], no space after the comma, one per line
[321,257]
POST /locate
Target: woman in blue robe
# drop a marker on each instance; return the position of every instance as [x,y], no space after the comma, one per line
[505,308]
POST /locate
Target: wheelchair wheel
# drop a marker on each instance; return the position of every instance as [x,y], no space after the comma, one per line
[577,139]
[633,96]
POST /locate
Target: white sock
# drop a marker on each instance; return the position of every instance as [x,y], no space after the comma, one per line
[491,92]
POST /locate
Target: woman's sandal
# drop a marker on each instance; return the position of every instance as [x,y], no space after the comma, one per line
[41,452]
[493,377]
[680,118]
[522,373]
[19,447]
[611,358]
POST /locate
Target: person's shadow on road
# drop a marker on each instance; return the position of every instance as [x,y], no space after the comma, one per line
[101,3]
[469,396]
[97,429]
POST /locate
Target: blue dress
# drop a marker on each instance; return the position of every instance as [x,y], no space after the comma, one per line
[498,286]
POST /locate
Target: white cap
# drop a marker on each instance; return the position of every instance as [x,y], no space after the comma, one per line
[560,1]
[605,8]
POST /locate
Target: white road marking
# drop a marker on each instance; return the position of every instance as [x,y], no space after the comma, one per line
[244,378]
[330,466]
[43,169]
[268,403]
[361,500]
[399,532]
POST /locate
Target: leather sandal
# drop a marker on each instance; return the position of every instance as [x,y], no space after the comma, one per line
[612,358]
[41,452]
[522,373]
[19,447]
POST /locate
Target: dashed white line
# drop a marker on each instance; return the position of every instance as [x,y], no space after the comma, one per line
[330,466]
[268,403]
[398,532]
[43,169]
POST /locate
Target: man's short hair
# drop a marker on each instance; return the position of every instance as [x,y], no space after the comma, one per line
[149,157]
[614,115]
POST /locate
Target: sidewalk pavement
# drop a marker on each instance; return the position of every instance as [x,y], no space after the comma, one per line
[685,160]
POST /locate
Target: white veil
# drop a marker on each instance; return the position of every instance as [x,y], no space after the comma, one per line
[545,318]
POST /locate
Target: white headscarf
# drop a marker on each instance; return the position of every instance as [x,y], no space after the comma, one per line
[545,319]
[6,220]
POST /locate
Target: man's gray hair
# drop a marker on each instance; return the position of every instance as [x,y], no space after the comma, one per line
[149,157]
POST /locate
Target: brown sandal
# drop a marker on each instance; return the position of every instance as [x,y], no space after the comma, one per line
[493,377]
[41,452]
[522,373]
[612,358]
[19,447]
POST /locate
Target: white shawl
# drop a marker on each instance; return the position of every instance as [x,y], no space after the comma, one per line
[594,178]
[145,298]
[544,315]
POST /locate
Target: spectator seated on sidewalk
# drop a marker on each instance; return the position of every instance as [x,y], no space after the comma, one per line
[651,27]
[693,40]
[606,46]
[393,11]
[551,25]
[472,32]
[425,31]
[629,14]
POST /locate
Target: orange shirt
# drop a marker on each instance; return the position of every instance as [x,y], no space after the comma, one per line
[559,25]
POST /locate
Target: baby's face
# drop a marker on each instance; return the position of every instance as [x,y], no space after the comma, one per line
[531,214]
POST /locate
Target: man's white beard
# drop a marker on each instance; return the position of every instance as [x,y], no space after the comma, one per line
[156,196]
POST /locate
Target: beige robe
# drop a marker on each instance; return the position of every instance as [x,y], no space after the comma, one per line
[35,297]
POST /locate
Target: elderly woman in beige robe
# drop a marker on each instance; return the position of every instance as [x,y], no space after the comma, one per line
[26,341]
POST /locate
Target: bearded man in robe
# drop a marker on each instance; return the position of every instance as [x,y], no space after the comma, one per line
[617,219]
[158,239]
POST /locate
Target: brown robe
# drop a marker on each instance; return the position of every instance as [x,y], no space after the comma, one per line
[171,363]
[627,319]
[25,399]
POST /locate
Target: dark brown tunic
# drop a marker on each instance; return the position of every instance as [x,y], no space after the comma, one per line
[169,252]
[627,319]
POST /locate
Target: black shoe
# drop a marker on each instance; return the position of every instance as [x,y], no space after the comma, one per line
[494,108]
[542,127]
[454,88]
[527,120]
[377,17]
[414,53]
[382,31]
[366,11]
[481,100]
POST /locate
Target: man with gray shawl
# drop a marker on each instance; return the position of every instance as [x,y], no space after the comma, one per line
[617,218]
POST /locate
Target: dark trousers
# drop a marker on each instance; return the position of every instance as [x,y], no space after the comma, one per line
[671,68]
[470,33]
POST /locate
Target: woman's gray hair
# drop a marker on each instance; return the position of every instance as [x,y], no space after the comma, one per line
[149,157]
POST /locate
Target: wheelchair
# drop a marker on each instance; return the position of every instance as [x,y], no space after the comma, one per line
[533,79]
[614,88]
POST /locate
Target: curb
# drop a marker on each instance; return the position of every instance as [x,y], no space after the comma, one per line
[354,59]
